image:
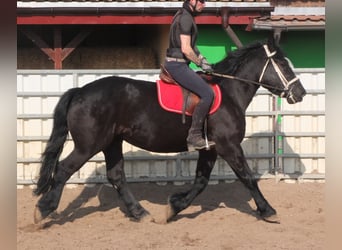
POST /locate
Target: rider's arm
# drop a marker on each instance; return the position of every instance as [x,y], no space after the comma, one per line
[187,49]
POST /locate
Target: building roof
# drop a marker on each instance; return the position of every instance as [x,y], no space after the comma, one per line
[292,22]
[133,11]
[112,5]
[113,1]
[292,18]
[257,14]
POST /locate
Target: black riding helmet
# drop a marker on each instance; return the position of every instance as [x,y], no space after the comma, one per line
[194,11]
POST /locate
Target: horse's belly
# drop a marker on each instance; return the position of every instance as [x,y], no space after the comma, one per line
[160,145]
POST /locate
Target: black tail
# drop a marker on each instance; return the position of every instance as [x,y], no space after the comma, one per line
[55,143]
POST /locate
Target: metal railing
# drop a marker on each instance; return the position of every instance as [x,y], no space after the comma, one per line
[276,137]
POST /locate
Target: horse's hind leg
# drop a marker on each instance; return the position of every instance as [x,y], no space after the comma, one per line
[65,169]
[180,201]
[237,161]
[116,176]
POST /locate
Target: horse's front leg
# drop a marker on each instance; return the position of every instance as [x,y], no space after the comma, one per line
[179,201]
[116,176]
[234,155]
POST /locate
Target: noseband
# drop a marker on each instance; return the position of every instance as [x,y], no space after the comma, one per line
[281,76]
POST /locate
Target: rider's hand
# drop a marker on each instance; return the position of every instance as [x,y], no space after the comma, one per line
[205,65]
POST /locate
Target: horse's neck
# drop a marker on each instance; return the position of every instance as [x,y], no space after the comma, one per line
[244,92]
[240,93]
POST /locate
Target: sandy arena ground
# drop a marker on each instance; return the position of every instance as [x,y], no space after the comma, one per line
[222,217]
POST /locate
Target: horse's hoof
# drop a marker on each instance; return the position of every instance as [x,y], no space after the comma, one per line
[37,217]
[141,216]
[31,228]
[147,218]
[170,213]
[269,215]
[272,219]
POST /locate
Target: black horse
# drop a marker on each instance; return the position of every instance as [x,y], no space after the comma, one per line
[106,112]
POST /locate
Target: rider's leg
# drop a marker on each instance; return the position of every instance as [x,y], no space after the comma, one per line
[190,80]
[195,136]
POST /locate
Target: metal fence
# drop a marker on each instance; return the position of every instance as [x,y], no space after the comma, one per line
[282,140]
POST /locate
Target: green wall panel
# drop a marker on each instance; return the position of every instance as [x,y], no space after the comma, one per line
[306,49]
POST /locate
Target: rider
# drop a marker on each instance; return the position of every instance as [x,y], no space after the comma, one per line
[182,50]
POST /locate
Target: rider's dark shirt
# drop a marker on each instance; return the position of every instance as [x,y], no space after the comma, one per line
[183,23]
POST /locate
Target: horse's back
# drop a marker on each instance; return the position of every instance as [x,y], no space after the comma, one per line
[114,84]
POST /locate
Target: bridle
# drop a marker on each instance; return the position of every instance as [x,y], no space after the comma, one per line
[287,84]
[281,76]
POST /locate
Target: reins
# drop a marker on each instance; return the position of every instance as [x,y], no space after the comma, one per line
[243,80]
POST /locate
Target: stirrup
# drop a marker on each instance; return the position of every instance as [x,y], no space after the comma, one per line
[205,145]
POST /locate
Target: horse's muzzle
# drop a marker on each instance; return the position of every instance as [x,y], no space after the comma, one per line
[295,93]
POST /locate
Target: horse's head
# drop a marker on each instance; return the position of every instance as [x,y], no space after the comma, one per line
[278,76]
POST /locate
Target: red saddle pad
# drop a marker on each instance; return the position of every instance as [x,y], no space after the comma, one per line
[170,97]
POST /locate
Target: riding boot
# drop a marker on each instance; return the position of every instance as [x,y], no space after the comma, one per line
[195,138]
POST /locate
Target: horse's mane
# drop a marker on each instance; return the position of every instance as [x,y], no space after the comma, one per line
[235,59]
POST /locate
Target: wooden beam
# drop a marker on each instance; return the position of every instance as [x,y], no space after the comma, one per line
[228,29]
[74,43]
[241,19]
[39,42]
[57,54]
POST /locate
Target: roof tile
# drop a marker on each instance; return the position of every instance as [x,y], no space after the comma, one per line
[302,18]
[140,1]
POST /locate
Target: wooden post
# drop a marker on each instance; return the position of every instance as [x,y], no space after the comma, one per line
[277,35]
[57,43]
[228,29]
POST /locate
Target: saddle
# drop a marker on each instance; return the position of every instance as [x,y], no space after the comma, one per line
[175,98]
